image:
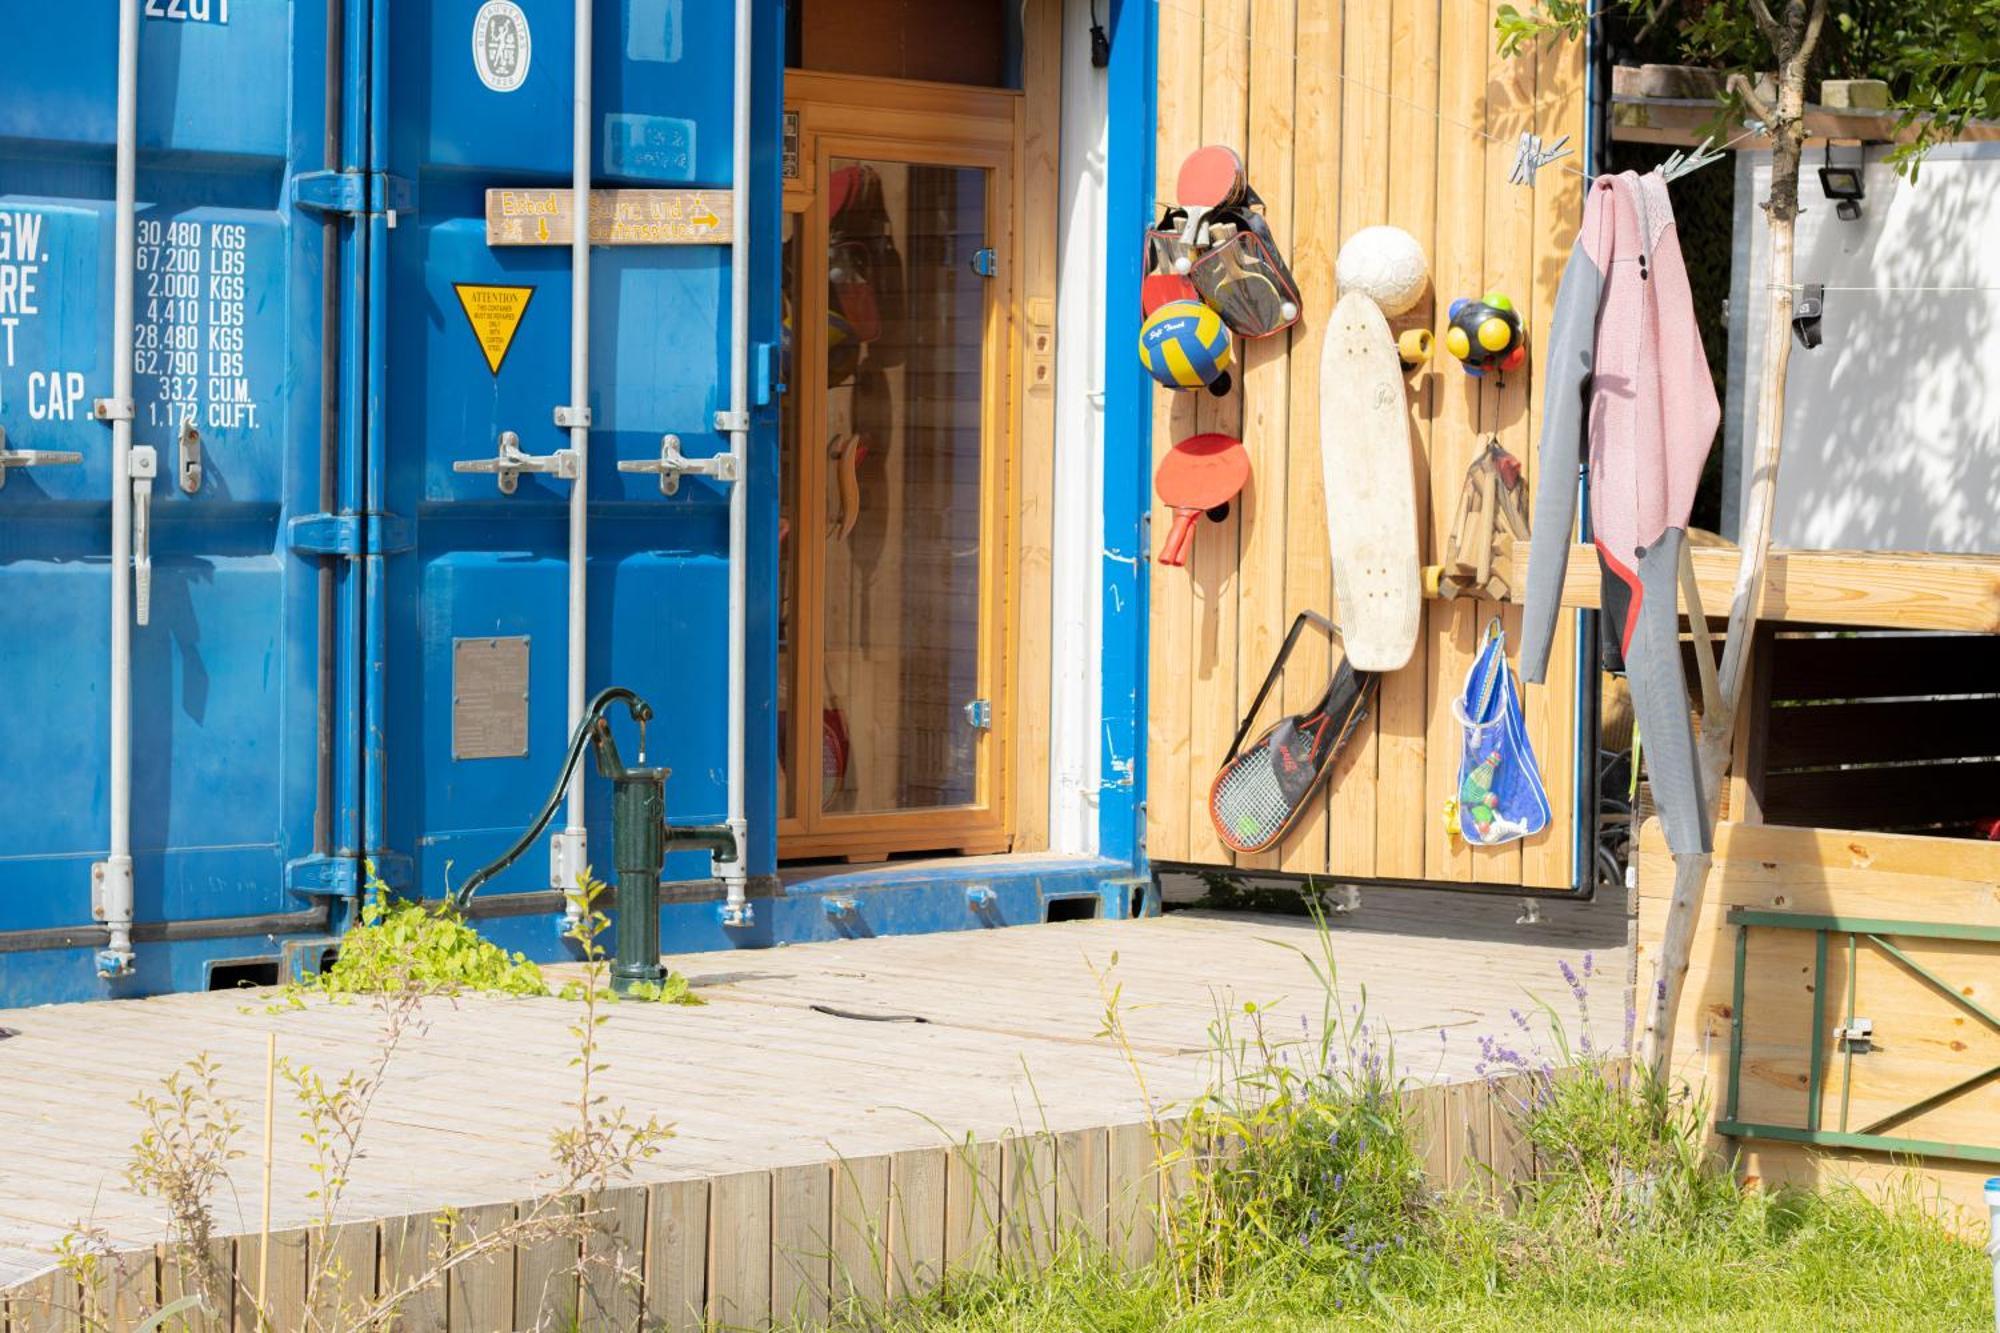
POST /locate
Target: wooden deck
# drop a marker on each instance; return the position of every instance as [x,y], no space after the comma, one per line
[758,1078]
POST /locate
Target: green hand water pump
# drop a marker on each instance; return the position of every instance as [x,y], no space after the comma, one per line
[640,837]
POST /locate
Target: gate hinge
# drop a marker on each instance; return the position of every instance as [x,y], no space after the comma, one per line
[351,534]
[345,875]
[986,261]
[354,192]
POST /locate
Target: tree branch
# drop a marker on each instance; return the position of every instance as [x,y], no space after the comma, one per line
[1768,26]
[1815,20]
[1740,85]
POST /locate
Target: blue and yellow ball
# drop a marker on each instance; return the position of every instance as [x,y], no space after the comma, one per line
[1487,334]
[1184,345]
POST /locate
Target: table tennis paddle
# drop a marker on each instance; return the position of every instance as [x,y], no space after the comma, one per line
[1197,475]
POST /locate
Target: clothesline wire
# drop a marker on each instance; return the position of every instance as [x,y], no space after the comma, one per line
[1433,112]
[1827,287]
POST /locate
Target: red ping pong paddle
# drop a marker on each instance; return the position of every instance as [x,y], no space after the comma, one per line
[1210,178]
[1198,474]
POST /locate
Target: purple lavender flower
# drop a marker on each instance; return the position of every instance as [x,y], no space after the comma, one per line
[1520,1020]
[1589,962]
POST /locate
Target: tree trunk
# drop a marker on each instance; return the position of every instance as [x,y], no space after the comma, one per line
[1793,43]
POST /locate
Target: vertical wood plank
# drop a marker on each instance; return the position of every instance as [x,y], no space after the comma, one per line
[1547,860]
[178,1278]
[1401,726]
[50,1303]
[1084,1194]
[341,1280]
[1133,1185]
[614,1257]
[1029,1181]
[677,1255]
[739,1249]
[1457,270]
[127,1288]
[481,1288]
[801,1242]
[916,1220]
[1429,1112]
[1262,616]
[1039,230]
[1364,202]
[1509,265]
[412,1246]
[972,1208]
[545,1271]
[1513,1157]
[860,1209]
[283,1304]
[1316,223]
[1213,573]
[1171,617]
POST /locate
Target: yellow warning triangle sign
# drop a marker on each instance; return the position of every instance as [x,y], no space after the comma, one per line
[495,316]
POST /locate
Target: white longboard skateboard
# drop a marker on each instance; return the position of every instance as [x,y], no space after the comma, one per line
[1371,493]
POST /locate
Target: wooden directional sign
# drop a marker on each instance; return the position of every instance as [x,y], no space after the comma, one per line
[617,217]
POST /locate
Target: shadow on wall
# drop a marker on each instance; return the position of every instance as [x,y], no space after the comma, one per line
[1892,429]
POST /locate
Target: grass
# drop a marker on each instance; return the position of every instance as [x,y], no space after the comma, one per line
[1315,1212]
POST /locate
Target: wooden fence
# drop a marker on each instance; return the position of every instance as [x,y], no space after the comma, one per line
[1396,111]
[795,1244]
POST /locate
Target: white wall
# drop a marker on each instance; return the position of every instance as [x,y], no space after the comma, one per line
[1892,429]
[1077,604]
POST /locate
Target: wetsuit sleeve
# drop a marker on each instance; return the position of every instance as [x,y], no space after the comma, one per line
[1572,339]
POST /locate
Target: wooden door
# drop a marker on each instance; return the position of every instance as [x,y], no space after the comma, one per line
[899,268]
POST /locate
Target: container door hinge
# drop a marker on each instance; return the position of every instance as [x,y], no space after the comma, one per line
[346,875]
[985,261]
[351,535]
[764,374]
[354,193]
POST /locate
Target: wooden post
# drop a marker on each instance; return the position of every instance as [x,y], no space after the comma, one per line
[1792,40]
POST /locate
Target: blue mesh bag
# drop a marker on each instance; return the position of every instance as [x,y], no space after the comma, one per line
[1500,797]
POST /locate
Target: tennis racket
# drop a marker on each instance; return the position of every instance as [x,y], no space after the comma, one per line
[1264,786]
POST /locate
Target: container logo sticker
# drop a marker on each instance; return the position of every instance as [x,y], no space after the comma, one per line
[495,316]
[501,46]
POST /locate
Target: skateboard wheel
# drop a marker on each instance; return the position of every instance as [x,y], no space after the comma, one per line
[1414,347]
[1433,576]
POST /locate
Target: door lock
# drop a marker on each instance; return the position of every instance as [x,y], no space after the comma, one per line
[13,458]
[508,463]
[672,465]
[189,471]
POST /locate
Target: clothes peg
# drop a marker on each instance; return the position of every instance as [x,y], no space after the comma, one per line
[1532,157]
[1686,164]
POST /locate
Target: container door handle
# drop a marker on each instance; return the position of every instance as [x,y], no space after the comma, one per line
[145,466]
[13,458]
[507,465]
[673,465]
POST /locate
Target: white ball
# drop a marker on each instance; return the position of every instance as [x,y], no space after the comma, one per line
[1385,263]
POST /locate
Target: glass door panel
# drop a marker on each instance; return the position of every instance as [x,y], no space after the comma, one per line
[901,600]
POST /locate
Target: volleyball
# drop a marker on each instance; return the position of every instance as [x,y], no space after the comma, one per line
[1184,345]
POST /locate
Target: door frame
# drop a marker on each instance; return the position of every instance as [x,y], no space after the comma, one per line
[850,116]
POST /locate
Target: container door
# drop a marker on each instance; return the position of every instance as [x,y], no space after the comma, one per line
[228,375]
[478,361]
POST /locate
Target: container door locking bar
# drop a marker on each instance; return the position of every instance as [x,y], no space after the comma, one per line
[673,465]
[13,458]
[507,465]
[145,466]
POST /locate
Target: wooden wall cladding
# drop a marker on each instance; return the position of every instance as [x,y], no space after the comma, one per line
[1928,1076]
[1375,111]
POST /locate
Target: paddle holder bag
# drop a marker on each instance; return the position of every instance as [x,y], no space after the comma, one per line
[1240,272]
[1263,786]
[1500,793]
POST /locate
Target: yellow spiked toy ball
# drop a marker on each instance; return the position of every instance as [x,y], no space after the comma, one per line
[1185,345]
[1487,334]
